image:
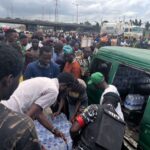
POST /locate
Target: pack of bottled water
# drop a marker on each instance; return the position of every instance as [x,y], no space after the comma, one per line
[134,101]
[48,140]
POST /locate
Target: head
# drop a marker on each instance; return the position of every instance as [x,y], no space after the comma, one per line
[76,46]
[97,79]
[11,66]
[45,56]
[11,35]
[68,53]
[35,44]
[58,47]
[77,89]
[111,98]
[87,52]
[23,39]
[66,81]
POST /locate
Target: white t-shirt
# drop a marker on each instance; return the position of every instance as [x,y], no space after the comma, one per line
[112,88]
[41,91]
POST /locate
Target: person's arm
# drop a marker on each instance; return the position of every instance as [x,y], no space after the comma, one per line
[76,71]
[57,71]
[61,105]
[28,72]
[35,112]
[27,136]
[76,110]
[74,130]
[88,115]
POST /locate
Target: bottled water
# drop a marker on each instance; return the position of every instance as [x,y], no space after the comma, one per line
[49,141]
[134,102]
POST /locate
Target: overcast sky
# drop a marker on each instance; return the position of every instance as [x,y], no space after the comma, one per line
[91,10]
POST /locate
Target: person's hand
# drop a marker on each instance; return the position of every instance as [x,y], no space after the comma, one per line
[29,54]
[43,148]
[81,109]
[72,119]
[58,133]
[56,114]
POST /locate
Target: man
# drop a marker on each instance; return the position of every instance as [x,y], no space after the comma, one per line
[17,131]
[85,63]
[34,95]
[32,54]
[2,36]
[73,100]
[101,127]
[43,67]
[97,79]
[71,66]
[11,36]
[23,41]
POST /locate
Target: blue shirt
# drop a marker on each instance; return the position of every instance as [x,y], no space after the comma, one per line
[34,70]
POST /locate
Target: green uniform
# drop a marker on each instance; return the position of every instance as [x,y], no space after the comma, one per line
[17,131]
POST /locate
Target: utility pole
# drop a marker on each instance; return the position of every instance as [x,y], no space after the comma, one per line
[42,17]
[77,11]
[77,5]
[11,10]
[56,10]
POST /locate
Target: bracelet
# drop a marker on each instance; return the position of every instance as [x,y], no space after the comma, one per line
[80,121]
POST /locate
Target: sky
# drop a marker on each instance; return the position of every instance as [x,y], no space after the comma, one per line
[88,10]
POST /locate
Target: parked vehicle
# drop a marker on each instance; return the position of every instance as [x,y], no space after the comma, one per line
[129,70]
[112,28]
[133,31]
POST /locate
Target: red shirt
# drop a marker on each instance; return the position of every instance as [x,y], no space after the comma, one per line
[73,68]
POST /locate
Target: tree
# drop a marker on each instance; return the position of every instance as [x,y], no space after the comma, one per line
[140,22]
[87,23]
[105,21]
[97,27]
[147,25]
[136,22]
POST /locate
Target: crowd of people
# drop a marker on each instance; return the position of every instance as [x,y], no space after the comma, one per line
[54,72]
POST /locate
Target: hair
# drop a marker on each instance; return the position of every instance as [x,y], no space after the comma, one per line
[35,37]
[111,98]
[17,47]
[10,61]
[9,32]
[58,46]
[47,49]
[78,87]
[22,36]
[66,78]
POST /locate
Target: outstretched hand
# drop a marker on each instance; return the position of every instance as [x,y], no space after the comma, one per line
[58,133]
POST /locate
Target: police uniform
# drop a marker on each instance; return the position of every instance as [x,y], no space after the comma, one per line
[104,129]
[17,131]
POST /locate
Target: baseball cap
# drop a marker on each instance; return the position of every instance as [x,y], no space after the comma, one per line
[96,78]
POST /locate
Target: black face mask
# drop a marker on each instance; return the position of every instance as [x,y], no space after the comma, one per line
[42,65]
